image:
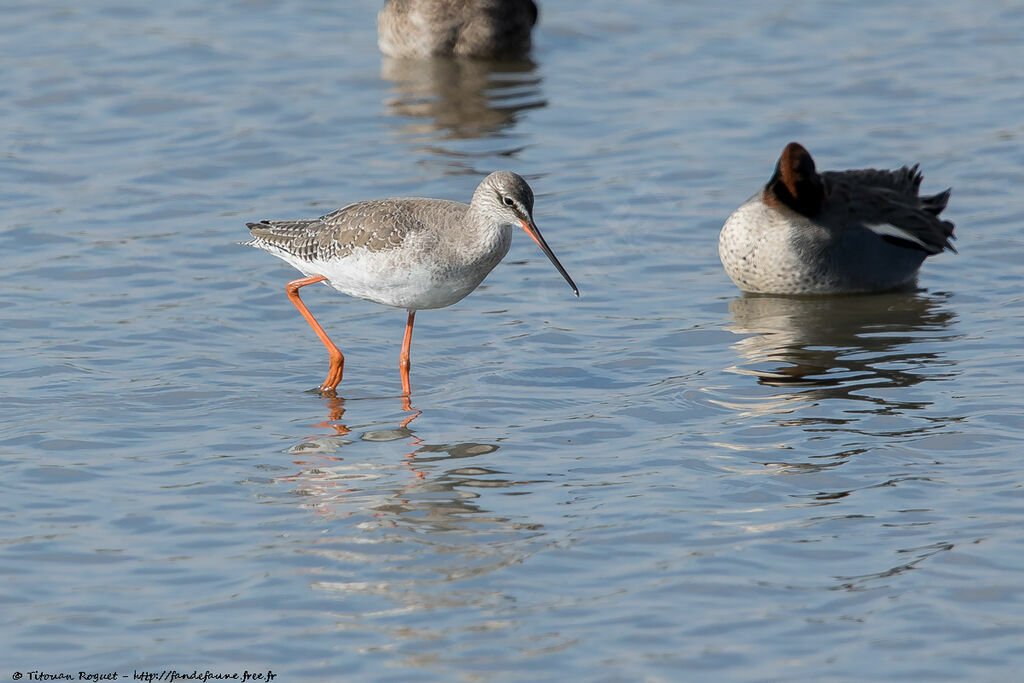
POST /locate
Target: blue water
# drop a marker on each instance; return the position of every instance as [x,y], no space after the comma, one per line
[662,480]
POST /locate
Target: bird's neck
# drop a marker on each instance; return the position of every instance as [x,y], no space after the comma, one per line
[486,236]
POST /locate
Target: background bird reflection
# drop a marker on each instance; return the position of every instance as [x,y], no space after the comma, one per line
[441,99]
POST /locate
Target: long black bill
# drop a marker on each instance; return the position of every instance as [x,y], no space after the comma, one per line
[531,229]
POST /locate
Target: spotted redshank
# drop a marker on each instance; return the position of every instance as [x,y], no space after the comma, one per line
[837,232]
[461,28]
[410,252]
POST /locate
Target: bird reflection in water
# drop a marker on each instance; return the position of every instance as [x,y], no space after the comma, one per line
[811,351]
[460,98]
[339,484]
[323,471]
[841,347]
[420,536]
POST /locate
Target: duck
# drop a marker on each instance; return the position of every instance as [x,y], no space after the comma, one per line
[836,232]
[485,29]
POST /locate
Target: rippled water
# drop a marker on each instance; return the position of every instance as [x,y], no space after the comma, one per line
[663,480]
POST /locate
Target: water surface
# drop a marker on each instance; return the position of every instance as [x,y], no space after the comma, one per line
[662,480]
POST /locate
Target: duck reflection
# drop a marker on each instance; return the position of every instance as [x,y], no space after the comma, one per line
[841,347]
[805,353]
[460,98]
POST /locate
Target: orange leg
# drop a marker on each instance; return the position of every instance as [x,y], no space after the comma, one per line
[403,360]
[337,360]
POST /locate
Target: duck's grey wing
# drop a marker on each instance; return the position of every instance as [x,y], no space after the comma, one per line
[891,207]
[904,180]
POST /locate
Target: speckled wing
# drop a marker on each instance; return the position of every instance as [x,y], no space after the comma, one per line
[887,203]
[374,226]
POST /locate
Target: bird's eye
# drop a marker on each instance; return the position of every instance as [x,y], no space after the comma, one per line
[508,201]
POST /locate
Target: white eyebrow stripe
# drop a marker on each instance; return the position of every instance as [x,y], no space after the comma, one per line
[892,231]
